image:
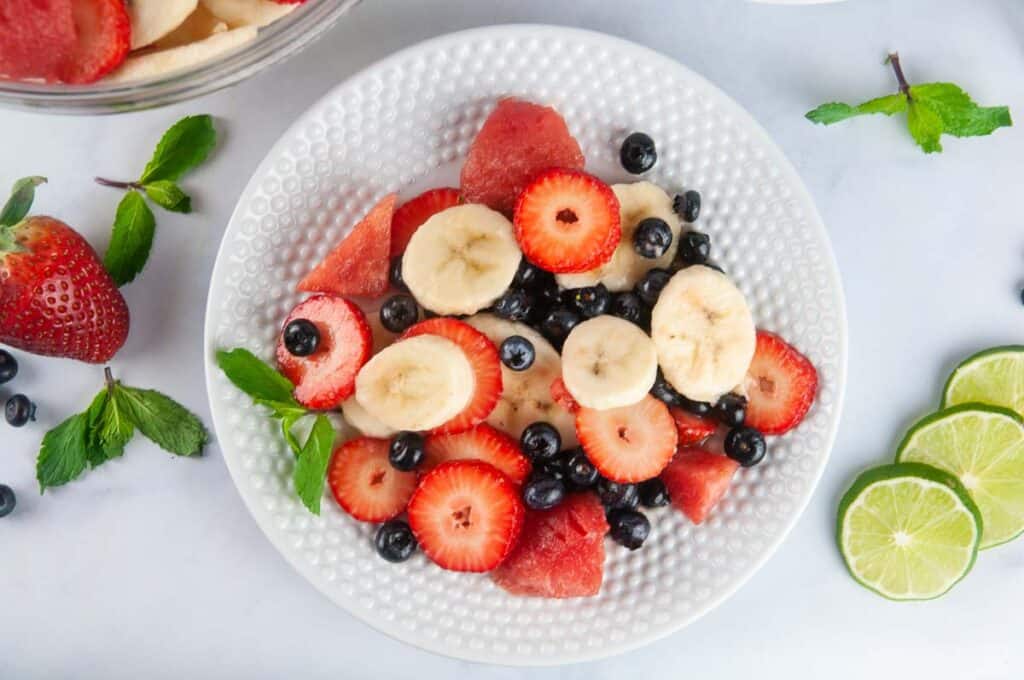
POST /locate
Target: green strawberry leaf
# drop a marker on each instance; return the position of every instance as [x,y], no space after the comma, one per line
[168,195]
[20,202]
[132,239]
[311,466]
[162,420]
[63,455]
[925,126]
[184,146]
[257,379]
[827,114]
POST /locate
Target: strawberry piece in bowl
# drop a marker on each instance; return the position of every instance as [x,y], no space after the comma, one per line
[697,479]
[327,376]
[103,31]
[560,395]
[411,215]
[38,37]
[692,428]
[482,442]
[628,444]
[466,515]
[781,385]
[365,484]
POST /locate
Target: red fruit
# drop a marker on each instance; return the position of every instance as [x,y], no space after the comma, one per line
[781,385]
[561,396]
[628,444]
[327,377]
[567,221]
[38,36]
[466,515]
[560,552]
[517,141]
[697,479]
[483,358]
[413,213]
[103,32]
[483,442]
[692,429]
[55,296]
[365,484]
[359,264]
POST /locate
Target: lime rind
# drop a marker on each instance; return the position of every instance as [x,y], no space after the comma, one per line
[959,390]
[926,477]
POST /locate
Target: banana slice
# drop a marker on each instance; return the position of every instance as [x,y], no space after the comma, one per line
[416,384]
[199,25]
[608,362]
[704,333]
[248,12]
[153,19]
[526,395]
[360,419]
[637,202]
[162,62]
[382,337]
[461,260]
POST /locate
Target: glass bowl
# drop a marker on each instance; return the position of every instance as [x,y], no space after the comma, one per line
[275,42]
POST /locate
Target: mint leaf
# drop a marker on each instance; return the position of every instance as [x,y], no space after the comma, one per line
[132,239]
[184,146]
[925,126]
[162,420]
[63,454]
[311,466]
[110,429]
[168,195]
[257,379]
[20,202]
[961,116]
[826,114]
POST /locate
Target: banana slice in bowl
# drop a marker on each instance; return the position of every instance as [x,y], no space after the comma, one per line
[608,362]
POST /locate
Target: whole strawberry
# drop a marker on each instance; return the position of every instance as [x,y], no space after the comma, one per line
[55,296]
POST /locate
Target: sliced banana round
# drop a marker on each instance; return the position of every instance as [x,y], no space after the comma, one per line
[248,12]
[608,362]
[703,332]
[199,25]
[461,259]
[360,419]
[637,202]
[416,384]
[161,62]
[526,395]
[153,19]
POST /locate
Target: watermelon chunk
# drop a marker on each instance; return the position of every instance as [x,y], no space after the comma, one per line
[37,37]
[560,551]
[359,265]
[517,141]
[697,479]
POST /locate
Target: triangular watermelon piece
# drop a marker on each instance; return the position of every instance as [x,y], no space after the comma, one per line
[359,265]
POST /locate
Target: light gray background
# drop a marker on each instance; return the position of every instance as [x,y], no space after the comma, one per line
[151,567]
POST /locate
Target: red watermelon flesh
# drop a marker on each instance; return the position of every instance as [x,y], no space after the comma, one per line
[560,551]
[359,265]
[36,38]
[517,141]
[697,479]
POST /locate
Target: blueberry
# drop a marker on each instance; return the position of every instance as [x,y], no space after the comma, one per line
[653,493]
[528,275]
[552,468]
[8,366]
[731,409]
[638,153]
[543,491]
[614,495]
[513,305]
[687,205]
[546,293]
[664,392]
[558,323]
[395,541]
[694,248]
[399,312]
[19,410]
[395,274]
[629,528]
[517,352]
[652,237]
[580,471]
[650,287]
[590,301]
[745,445]
[406,451]
[540,441]
[301,337]
[697,408]
[7,500]
[630,307]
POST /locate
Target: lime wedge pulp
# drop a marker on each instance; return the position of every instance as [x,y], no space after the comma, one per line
[908,531]
[984,447]
[995,377]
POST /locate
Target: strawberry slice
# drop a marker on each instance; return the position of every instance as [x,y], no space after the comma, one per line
[561,396]
[628,444]
[413,213]
[482,442]
[327,377]
[103,32]
[365,484]
[517,141]
[781,385]
[692,429]
[567,221]
[38,37]
[483,358]
[560,552]
[466,515]
[697,479]
[359,264]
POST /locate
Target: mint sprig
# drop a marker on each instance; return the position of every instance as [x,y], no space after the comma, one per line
[269,388]
[101,432]
[932,109]
[183,147]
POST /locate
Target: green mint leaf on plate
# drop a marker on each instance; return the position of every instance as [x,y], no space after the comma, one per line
[63,455]
[184,146]
[933,109]
[257,379]
[132,239]
[109,429]
[311,466]
[20,202]
[162,420]
[168,195]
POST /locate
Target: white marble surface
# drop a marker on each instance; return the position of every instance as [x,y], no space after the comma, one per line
[151,567]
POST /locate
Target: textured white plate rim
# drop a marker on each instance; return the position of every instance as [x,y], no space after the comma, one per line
[814,223]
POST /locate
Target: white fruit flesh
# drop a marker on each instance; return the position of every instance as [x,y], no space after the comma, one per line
[163,62]
[608,362]
[248,12]
[360,419]
[199,25]
[153,19]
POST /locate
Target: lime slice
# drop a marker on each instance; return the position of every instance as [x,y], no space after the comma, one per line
[908,531]
[995,376]
[984,447]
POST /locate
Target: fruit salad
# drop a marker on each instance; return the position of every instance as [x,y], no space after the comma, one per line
[118,41]
[536,360]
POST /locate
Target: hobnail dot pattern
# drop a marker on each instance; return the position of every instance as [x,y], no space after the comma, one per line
[404,125]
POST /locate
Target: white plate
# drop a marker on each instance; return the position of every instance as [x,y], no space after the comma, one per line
[404,125]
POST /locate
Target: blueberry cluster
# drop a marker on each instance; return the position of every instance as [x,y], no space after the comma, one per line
[18,411]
